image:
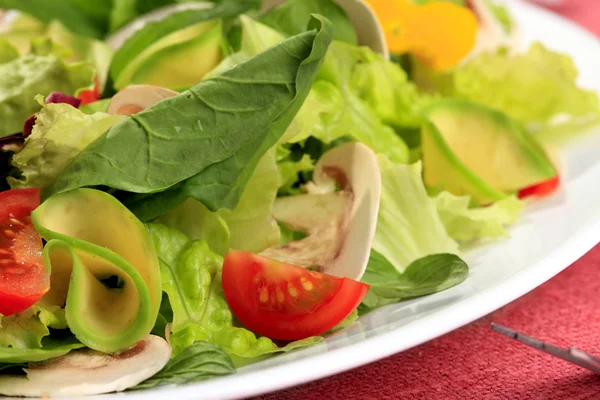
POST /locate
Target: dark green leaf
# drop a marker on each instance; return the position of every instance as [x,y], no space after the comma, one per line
[291,18]
[199,361]
[165,316]
[206,142]
[424,276]
[65,11]
[4,367]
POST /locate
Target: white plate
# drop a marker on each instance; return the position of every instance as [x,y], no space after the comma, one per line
[550,236]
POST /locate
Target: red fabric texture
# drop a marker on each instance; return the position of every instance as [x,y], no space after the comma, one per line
[476,363]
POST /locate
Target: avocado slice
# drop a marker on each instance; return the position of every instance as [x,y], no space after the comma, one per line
[180,59]
[470,149]
[91,236]
[186,63]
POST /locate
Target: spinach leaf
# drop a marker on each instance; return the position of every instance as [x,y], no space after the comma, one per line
[206,142]
[291,17]
[155,31]
[202,360]
[430,274]
[68,12]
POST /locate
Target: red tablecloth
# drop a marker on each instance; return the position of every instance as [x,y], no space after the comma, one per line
[476,363]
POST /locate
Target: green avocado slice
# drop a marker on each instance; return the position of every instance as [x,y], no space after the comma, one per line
[186,50]
[91,236]
[182,65]
[469,149]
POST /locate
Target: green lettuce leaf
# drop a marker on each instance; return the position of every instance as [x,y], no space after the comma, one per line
[191,276]
[82,48]
[333,109]
[249,227]
[96,106]
[430,274]
[289,170]
[199,361]
[25,77]
[291,17]
[122,12]
[385,87]
[51,347]
[408,224]
[255,38]
[59,134]
[464,223]
[204,143]
[513,84]
[26,330]
[7,52]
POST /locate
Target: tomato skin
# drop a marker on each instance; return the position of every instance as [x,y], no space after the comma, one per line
[284,301]
[90,96]
[540,189]
[24,278]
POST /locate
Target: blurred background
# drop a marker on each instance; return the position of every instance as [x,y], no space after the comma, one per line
[584,12]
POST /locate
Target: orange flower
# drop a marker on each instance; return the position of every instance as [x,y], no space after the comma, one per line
[439,34]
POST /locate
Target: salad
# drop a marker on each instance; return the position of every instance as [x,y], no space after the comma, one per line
[191,187]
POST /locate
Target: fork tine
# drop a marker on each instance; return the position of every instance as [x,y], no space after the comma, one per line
[571,355]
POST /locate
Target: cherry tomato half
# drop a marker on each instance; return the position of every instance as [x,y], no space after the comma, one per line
[541,189]
[285,301]
[23,277]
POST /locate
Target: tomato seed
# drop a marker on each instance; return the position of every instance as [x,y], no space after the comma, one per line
[264,295]
[292,291]
[10,234]
[279,295]
[308,286]
[15,271]
[15,221]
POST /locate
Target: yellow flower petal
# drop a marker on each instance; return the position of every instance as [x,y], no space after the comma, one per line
[440,34]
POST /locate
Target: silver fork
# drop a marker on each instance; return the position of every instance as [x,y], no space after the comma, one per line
[571,354]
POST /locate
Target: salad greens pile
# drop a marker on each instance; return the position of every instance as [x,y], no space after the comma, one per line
[140,209]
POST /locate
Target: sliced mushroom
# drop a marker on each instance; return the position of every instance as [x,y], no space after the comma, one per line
[491,34]
[116,40]
[88,372]
[340,226]
[136,98]
[363,18]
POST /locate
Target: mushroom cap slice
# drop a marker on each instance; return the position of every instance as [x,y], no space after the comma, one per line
[136,98]
[340,225]
[88,372]
[363,19]
[117,39]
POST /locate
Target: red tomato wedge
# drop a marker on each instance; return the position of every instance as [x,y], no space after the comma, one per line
[90,96]
[23,277]
[285,301]
[541,189]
